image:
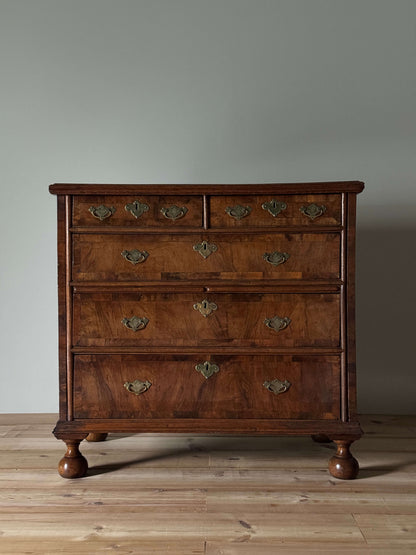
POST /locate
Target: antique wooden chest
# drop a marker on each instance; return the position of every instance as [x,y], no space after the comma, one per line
[207,308]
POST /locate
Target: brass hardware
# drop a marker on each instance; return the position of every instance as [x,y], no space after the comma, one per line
[313,210]
[102,212]
[275,258]
[276,386]
[276,323]
[207,369]
[205,307]
[238,212]
[205,249]
[274,207]
[137,208]
[134,256]
[174,212]
[135,323]
[137,387]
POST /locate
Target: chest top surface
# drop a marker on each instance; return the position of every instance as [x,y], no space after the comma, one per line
[208,189]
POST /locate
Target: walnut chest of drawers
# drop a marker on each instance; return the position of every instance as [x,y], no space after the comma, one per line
[207,308]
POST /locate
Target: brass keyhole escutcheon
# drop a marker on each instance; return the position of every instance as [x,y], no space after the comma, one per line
[207,369]
[205,307]
[137,208]
[274,207]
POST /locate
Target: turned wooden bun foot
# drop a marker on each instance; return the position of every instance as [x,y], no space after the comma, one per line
[321,438]
[343,465]
[95,436]
[73,464]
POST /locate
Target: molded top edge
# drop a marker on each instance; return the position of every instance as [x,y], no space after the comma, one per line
[208,189]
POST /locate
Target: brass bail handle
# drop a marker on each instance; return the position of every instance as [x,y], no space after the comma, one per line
[137,386]
[135,256]
[174,212]
[276,258]
[313,210]
[277,386]
[135,323]
[238,212]
[101,212]
[276,323]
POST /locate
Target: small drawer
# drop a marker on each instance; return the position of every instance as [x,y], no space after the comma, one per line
[144,257]
[275,210]
[159,386]
[206,319]
[137,211]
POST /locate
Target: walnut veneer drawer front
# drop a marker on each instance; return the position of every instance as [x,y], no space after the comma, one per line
[137,211]
[132,257]
[173,388]
[207,309]
[286,210]
[191,319]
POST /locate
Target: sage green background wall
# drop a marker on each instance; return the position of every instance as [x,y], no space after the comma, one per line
[188,91]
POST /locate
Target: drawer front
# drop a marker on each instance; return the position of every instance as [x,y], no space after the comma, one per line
[172,387]
[277,210]
[137,211]
[201,319]
[144,257]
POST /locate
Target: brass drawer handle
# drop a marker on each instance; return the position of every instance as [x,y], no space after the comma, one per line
[134,256]
[135,323]
[205,307]
[207,369]
[102,212]
[276,323]
[137,208]
[276,386]
[238,212]
[174,212]
[313,210]
[274,207]
[275,258]
[137,387]
[205,249]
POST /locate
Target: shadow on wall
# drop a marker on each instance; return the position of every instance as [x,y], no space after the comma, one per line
[386,330]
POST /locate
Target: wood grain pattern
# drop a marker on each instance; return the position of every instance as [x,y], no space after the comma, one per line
[239,320]
[207,495]
[179,391]
[172,257]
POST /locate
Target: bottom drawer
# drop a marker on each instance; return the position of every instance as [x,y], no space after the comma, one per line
[309,386]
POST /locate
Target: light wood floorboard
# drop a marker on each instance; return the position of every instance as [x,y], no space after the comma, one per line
[207,495]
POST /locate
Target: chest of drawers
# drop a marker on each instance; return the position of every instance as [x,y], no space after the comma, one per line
[209,309]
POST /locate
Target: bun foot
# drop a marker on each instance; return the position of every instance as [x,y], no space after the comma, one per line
[343,465]
[96,437]
[73,464]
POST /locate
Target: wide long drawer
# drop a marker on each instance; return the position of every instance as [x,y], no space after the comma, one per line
[191,319]
[145,257]
[276,387]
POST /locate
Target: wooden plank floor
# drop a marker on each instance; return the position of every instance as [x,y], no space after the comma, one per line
[183,495]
